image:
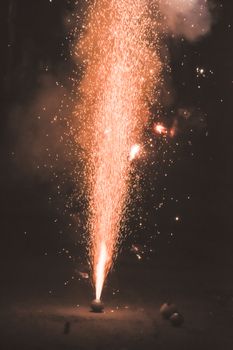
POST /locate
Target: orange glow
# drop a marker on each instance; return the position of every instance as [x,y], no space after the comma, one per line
[122,72]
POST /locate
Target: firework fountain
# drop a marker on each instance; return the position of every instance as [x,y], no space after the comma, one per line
[119,49]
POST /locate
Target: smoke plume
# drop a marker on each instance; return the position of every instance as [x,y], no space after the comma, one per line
[188,18]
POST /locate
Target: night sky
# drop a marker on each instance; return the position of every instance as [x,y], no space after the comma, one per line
[197,189]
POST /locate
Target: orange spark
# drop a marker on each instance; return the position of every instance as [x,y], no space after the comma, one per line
[122,71]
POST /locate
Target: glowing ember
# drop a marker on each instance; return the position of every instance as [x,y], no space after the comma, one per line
[172,131]
[160,129]
[122,71]
[135,149]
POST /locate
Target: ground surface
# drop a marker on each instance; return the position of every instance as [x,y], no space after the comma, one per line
[34,318]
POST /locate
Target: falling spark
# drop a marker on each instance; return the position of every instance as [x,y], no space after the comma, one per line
[122,72]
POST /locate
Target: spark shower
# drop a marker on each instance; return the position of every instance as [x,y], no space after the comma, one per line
[120,51]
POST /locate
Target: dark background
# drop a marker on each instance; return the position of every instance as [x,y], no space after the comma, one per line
[35,226]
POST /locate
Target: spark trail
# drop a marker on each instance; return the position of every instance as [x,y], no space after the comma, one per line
[122,72]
